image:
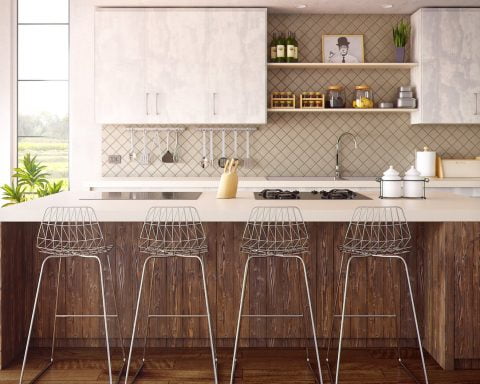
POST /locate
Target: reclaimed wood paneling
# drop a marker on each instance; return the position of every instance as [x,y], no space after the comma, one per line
[444,270]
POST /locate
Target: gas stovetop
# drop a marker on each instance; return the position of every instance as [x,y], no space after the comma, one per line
[333,194]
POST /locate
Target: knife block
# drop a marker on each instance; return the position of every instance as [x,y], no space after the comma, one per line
[227,189]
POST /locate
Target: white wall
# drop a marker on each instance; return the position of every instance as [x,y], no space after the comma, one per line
[7,83]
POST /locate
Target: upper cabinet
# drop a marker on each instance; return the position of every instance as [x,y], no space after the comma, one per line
[446,44]
[180,66]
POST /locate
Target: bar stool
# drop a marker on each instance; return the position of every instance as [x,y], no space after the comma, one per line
[171,232]
[275,232]
[64,233]
[375,232]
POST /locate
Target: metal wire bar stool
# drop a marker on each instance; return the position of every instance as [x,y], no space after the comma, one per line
[68,232]
[275,232]
[375,232]
[171,232]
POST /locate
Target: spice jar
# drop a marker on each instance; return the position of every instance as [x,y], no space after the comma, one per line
[335,97]
[363,97]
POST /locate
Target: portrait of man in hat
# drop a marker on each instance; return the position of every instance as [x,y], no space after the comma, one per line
[343,49]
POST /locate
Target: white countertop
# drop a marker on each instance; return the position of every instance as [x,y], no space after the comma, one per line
[439,206]
[257,183]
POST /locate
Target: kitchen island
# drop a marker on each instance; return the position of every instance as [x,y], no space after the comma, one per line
[444,265]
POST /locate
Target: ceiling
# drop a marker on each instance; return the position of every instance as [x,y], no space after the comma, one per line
[320,6]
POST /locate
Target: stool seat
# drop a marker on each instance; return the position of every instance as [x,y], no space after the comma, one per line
[60,250]
[161,248]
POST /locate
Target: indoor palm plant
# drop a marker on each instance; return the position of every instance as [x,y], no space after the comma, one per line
[401,34]
[29,181]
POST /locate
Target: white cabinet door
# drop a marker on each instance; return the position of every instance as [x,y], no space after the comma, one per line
[120,96]
[448,80]
[177,65]
[236,54]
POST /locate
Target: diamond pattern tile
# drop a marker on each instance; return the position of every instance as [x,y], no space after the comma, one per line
[304,144]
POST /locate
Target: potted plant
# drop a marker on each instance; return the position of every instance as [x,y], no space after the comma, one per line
[401,34]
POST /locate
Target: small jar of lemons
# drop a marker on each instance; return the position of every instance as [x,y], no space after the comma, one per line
[363,97]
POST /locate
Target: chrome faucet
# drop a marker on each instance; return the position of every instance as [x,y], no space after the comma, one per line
[337,162]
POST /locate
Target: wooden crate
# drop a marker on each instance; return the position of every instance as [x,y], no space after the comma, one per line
[309,102]
[282,100]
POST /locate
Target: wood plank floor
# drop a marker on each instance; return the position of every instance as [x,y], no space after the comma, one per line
[256,365]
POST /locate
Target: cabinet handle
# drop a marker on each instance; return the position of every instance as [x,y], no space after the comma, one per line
[214,96]
[146,101]
[156,103]
[476,103]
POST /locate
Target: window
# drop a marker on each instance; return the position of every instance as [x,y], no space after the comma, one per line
[42,83]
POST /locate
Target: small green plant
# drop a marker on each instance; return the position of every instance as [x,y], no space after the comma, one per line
[401,34]
[29,181]
[13,193]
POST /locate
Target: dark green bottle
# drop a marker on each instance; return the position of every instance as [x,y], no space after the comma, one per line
[281,54]
[295,42]
[273,48]
[290,46]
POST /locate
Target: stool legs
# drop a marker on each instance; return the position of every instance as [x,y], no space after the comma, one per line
[208,316]
[104,315]
[407,275]
[240,314]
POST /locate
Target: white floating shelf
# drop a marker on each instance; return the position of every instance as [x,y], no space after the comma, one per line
[343,65]
[342,110]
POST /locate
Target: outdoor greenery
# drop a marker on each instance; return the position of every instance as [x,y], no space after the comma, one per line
[401,34]
[29,181]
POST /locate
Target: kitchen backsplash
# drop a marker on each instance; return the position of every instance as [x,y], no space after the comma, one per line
[303,144]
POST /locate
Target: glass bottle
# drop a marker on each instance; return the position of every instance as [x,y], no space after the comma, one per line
[290,44]
[295,43]
[273,48]
[281,49]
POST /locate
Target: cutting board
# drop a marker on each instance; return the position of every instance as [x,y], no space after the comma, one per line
[461,167]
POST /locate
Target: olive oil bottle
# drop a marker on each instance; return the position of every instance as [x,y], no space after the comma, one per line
[295,43]
[290,45]
[273,48]
[281,54]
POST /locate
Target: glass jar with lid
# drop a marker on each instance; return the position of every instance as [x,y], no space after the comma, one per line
[363,97]
[335,97]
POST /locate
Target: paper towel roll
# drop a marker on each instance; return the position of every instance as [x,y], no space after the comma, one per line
[425,162]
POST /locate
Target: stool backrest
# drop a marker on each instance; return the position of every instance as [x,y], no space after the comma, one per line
[378,229]
[172,229]
[275,228]
[69,230]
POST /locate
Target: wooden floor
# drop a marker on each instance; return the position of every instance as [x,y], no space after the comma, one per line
[255,366]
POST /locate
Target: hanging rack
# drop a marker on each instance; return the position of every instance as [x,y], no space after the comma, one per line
[160,129]
[226,129]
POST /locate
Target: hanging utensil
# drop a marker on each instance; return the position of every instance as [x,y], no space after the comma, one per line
[235,148]
[248,161]
[132,155]
[204,162]
[211,147]
[168,156]
[222,161]
[175,151]
[145,156]
[157,141]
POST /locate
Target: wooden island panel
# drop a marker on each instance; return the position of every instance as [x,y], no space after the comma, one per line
[445,272]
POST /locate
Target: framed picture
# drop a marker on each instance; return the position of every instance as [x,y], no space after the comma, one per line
[342,48]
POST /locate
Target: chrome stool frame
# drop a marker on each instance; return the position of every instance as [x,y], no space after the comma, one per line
[68,232]
[277,232]
[171,232]
[375,232]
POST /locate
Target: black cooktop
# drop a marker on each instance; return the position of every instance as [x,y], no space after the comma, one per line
[333,194]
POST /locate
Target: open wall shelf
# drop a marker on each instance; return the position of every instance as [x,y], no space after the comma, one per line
[343,65]
[342,110]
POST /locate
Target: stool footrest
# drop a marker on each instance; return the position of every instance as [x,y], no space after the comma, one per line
[367,315]
[177,315]
[300,315]
[63,316]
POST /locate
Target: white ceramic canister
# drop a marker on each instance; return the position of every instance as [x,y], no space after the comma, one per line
[425,162]
[392,183]
[412,183]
